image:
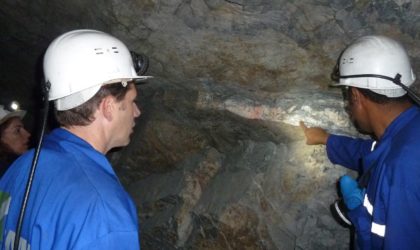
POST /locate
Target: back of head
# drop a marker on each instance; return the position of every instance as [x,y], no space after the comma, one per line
[374,63]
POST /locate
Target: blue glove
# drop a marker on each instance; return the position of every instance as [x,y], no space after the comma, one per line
[352,194]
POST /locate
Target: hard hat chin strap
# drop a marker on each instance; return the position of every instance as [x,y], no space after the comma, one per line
[396,80]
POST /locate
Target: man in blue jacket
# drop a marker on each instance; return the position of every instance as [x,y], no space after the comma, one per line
[375,72]
[77,201]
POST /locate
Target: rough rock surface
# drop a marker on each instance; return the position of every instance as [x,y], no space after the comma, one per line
[232,171]
[217,160]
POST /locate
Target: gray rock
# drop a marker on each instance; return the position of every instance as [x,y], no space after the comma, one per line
[217,160]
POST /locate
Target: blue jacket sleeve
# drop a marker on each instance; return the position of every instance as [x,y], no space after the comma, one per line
[347,151]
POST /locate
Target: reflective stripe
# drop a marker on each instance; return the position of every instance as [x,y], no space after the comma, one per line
[373,146]
[378,229]
[4,209]
[367,205]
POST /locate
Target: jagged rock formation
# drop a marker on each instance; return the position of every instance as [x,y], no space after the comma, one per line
[217,160]
[243,177]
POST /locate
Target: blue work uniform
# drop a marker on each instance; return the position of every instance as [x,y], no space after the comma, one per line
[389,217]
[76,201]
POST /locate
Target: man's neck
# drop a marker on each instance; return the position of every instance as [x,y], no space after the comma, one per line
[383,115]
[94,136]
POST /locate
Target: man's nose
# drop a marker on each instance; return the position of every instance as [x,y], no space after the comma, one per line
[137,111]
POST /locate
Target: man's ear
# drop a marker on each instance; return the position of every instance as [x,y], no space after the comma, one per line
[355,95]
[359,98]
[107,107]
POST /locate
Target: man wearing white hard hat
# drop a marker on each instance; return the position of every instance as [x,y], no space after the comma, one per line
[76,200]
[383,204]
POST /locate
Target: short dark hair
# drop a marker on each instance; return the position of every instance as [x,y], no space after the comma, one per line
[82,115]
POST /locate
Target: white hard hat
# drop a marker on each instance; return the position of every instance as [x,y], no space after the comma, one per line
[5,114]
[79,62]
[376,63]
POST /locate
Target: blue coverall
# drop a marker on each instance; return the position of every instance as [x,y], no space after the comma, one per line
[76,202]
[389,217]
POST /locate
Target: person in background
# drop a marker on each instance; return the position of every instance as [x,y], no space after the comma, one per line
[76,200]
[375,73]
[14,138]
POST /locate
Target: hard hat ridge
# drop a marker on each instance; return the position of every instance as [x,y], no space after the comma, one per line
[378,63]
[79,62]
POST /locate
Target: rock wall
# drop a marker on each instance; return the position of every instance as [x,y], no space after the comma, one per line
[223,169]
[217,160]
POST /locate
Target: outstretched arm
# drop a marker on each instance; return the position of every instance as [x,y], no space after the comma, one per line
[342,150]
[315,135]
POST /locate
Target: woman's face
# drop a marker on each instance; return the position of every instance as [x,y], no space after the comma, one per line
[15,136]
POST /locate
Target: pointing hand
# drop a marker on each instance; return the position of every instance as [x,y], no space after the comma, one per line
[315,135]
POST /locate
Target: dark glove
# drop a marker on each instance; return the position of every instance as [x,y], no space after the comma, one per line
[352,193]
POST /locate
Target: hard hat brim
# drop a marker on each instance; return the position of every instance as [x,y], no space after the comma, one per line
[335,85]
[18,113]
[141,79]
[78,98]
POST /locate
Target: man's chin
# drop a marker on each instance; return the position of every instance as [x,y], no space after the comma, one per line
[119,146]
[123,143]
[126,143]
[361,130]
